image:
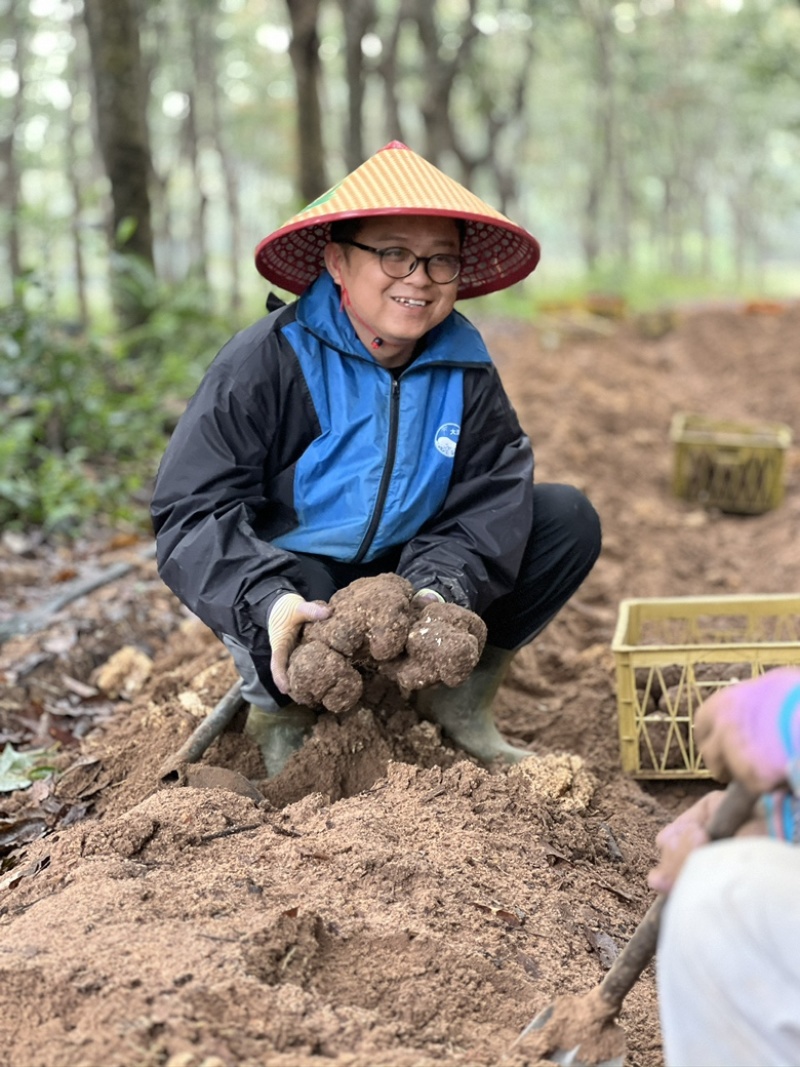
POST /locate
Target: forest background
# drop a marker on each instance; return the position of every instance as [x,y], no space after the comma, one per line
[146,147]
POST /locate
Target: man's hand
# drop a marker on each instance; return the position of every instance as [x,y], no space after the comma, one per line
[686,833]
[288,614]
[750,730]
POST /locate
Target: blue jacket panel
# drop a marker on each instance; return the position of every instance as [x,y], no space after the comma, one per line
[386,445]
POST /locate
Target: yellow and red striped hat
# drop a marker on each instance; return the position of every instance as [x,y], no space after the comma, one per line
[496,252]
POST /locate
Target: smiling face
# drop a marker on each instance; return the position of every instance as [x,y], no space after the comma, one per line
[397,310]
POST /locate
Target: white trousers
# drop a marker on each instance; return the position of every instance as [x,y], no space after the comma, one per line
[728,961]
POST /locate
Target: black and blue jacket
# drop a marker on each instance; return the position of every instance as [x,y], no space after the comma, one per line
[298,441]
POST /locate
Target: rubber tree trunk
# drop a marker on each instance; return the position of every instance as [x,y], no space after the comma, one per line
[304,54]
[13,26]
[120,102]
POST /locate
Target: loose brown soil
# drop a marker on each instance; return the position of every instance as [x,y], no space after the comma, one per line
[386,902]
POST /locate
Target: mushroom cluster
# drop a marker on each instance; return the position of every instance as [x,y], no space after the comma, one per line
[376,626]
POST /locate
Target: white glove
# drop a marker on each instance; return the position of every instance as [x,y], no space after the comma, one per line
[288,614]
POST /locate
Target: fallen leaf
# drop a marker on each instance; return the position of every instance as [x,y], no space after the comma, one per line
[61,643]
[17,543]
[604,945]
[19,769]
[26,872]
[123,540]
[79,688]
[15,832]
[66,574]
[510,917]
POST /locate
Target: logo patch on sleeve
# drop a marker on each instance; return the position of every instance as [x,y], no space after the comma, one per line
[446,439]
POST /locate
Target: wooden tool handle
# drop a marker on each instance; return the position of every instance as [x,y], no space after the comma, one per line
[734,810]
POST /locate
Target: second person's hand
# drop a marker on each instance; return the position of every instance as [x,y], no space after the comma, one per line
[750,730]
[690,831]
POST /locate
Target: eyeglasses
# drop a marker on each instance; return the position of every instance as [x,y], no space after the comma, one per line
[400,262]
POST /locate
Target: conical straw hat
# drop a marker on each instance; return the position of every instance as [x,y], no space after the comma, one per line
[396,181]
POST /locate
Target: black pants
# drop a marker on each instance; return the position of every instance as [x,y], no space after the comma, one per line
[562,549]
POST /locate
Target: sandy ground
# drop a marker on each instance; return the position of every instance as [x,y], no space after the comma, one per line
[387,901]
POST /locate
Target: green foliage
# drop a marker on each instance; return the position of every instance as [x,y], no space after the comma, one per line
[84,420]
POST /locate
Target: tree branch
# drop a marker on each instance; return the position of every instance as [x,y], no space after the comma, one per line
[30,621]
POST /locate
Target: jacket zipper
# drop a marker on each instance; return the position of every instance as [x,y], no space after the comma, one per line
[386,477]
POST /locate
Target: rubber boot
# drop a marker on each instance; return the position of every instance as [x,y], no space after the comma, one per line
[465,712]
[280,733]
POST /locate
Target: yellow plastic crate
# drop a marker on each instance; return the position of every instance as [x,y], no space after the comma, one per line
[672,653]
[734,466]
